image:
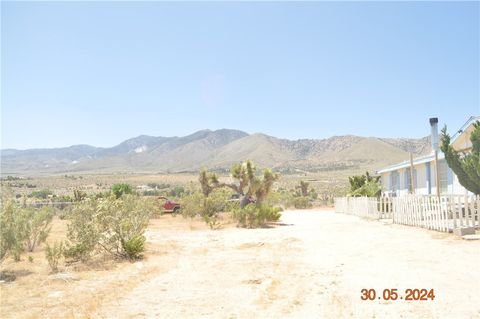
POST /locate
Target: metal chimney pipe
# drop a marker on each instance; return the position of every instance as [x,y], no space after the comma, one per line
[434,133]
[434,136]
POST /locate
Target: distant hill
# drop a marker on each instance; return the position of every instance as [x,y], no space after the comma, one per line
[214,150]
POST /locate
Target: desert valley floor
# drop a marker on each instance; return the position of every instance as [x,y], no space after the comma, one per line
[312,264]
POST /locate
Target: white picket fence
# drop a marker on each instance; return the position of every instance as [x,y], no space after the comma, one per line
[368,207]
[438,213]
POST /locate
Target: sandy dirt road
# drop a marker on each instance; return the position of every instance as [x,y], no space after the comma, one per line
[313,266]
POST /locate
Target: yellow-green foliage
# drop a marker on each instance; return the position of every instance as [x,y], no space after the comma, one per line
[12,233]
[121,188]
[134,247]
[302,202]
[114,225]
[252,216]
[199,205]
[247,183]
[83,230]
[192,205]
[37,225]
[22,227]
[53,255]
[280,198]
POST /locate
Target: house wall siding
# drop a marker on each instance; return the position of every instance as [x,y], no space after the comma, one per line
[425,179]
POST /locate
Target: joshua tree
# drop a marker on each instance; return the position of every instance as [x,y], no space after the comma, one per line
[365,185]
[248,184]
[465,165]
[303,186]
[208,181]
[79,195]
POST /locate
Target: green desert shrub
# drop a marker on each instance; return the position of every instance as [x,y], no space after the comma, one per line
[123,220]
[365,185]
[37,225]
[79,195]
[301,202]
[134,247]
[41,194]
[12,230]
[280,198]
[199,205]
[192,205]
[53,254]
[152,192]
[22,228]
[113,225]
[158,185]
[177,191]
[83,230]
[252,216]
[231,206]
[121,188]
[215,203]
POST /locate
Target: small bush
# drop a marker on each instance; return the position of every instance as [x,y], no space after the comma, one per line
[121,188]
[158,186]
[53,255]
[134,247]
[113,225]
[252,216]
[212,222]
[153,192]
[37,225]
[83,231]
[302,202]
[192,205]
[123,220]
[231,206]
[177,191]
[199,205]
[214,203]
[12,230]
[280,198]
[79,195]
[41,194]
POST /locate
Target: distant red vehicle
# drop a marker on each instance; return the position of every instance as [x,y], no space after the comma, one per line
[170,206]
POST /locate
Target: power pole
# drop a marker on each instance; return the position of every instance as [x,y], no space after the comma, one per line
[412,182]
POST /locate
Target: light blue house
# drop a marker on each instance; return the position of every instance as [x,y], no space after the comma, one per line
[396,178]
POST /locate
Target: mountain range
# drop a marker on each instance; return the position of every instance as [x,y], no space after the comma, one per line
[216,150]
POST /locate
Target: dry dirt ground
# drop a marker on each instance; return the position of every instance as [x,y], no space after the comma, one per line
[313,265]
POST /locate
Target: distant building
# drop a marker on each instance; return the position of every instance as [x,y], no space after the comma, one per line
[396,178]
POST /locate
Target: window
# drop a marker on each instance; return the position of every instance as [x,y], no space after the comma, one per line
[443,176]
[394,181]
[408,178]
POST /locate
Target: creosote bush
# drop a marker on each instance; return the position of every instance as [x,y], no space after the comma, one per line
[199,205]
[83,230]
[121,189]
[22,228]
[53,255]
[301,202]
[112,225]
[134,247]
[252,216]
[12,235]
[192,205]
[37,225]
